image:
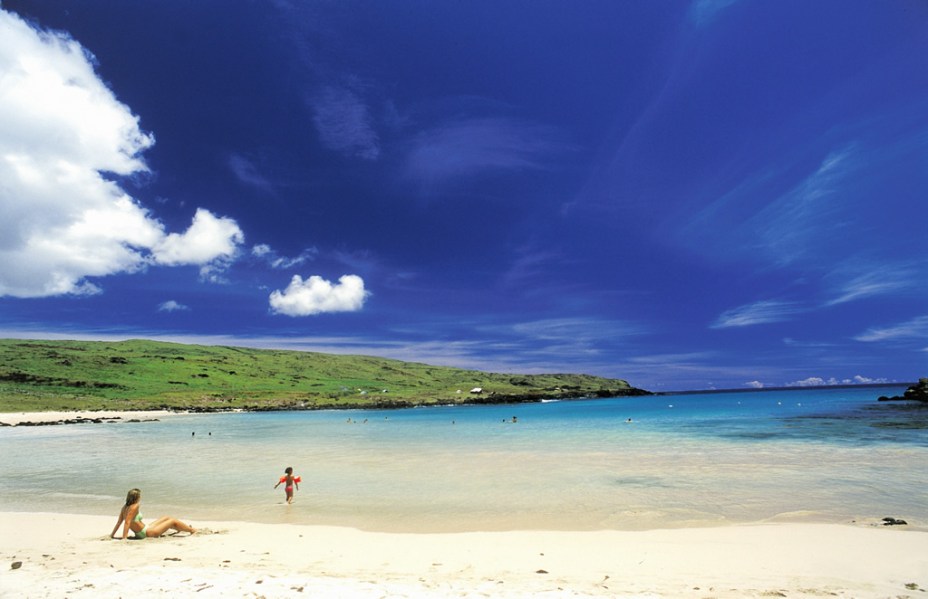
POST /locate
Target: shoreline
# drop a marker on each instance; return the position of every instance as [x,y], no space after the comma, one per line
[64,554]
[34,418]
[83,417]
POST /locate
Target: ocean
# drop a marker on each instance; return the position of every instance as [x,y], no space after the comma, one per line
[829,455]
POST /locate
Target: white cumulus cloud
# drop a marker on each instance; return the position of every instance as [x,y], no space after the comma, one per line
[864,380]
[208,238]
[63,135]
[315,295]
[817,381]
[812,381]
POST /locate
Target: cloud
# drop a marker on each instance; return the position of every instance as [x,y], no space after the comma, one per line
[915,328]
[703,12]
[63,135]
[470,146]
[755,384]
[787,213]
[315,295]
[172,306]
[878,281]
[801,219]
[208,239]
[817,381]
[343,122]
[812,381]
[757,313]
[576,330]
[529,263]
[264,252]
[246,172]
[863,380]
[806,344]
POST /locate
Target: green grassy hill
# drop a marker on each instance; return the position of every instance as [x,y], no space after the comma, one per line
[137,374]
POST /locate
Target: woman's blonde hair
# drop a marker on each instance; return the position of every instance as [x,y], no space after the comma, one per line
[133,496]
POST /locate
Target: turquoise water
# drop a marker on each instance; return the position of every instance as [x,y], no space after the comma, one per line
[681,460]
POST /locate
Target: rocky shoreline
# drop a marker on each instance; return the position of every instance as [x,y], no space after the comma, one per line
[917,392]
[79,420]
[106,417]
[52,418]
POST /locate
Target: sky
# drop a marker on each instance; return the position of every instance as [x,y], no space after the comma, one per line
[685,195]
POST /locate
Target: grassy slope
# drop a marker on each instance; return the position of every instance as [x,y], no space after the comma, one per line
[93,375]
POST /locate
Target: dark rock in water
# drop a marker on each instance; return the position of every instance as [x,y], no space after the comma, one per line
[889,521]
[917,392]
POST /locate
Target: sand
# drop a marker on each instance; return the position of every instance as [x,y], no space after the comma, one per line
[57,555]
[17,418]
[71,555]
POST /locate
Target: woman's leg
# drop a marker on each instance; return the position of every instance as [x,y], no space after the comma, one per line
[159,526]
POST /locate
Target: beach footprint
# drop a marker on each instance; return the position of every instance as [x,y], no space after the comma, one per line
[210,531]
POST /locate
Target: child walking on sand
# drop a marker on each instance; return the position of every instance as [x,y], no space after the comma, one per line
[289,482]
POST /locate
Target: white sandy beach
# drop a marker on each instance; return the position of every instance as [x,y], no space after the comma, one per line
[71,555]
[17,418]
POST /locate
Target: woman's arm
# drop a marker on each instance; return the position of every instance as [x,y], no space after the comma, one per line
[131,511]
[122,516]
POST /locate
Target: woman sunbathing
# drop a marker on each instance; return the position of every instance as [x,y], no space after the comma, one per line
[131,518]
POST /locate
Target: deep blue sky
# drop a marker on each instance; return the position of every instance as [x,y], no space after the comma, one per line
[686,195]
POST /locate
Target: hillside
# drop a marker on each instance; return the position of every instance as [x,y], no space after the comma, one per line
[137,374]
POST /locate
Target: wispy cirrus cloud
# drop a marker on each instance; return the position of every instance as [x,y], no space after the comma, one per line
[917,328]
[344,123]
[788,227]
[703,12]
[245,171]
[874,282]
[761,312]
[266,253]
[577,330]
[471,146]
[528,263]
[787,213]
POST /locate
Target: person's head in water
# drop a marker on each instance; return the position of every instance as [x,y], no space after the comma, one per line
[133,496]
[288,470]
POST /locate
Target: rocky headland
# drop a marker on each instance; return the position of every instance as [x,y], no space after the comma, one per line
[917,392]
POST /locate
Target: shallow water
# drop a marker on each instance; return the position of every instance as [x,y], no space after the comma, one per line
[682,460]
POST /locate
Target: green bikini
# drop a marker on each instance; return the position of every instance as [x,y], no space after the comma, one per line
[140,534]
